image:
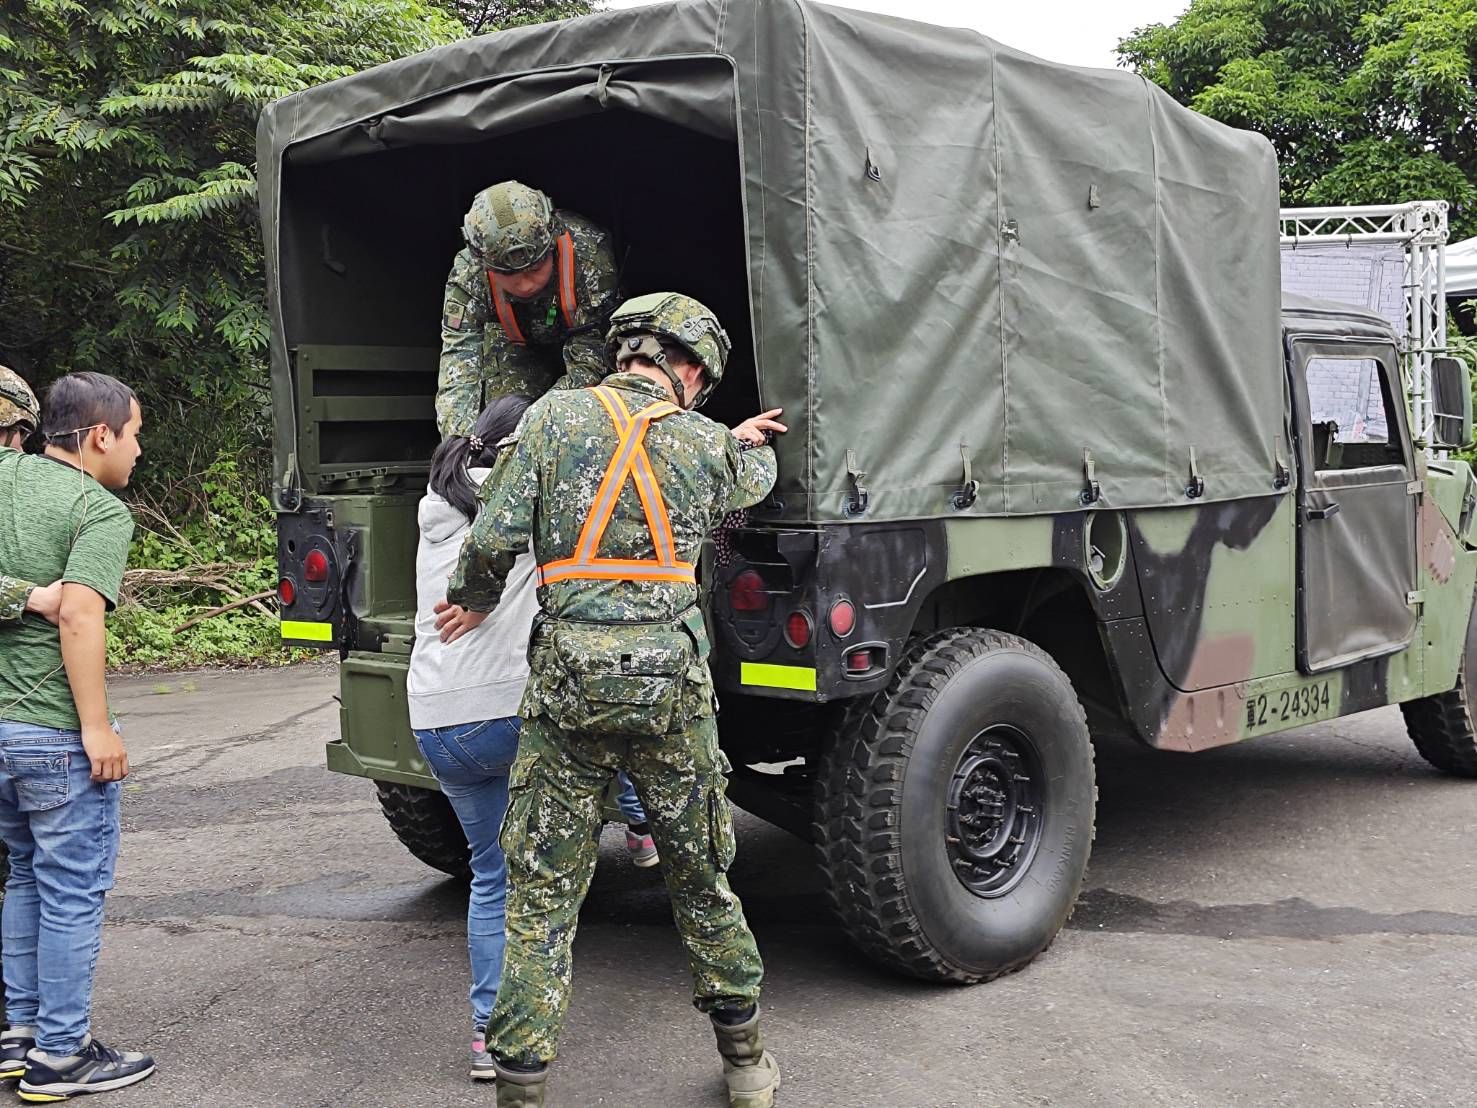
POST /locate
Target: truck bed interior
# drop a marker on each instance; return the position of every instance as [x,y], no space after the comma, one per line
[370,240]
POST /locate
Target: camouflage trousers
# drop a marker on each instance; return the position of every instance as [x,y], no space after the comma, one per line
[550,836]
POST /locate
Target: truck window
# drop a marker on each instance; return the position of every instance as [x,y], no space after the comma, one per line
[1351,409]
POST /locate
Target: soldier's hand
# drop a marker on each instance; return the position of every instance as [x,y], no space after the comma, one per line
[46,602]
[453,621]
[752,430]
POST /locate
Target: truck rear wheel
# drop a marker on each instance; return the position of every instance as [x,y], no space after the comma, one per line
[423,820]
[955,809]
[1441,726]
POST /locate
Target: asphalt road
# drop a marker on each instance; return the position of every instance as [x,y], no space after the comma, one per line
[1292,921]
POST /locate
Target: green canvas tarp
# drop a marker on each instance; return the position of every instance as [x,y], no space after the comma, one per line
[956,252]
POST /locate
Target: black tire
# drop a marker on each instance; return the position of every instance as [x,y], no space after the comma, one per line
[900,890]
[1441,726]
[423,820]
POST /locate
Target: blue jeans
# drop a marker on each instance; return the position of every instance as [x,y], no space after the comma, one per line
[628,802]
[61,828]
[470,762]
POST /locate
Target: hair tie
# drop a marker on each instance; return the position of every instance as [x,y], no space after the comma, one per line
[476,443]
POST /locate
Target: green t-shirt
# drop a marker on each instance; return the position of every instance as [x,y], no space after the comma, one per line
[55,523]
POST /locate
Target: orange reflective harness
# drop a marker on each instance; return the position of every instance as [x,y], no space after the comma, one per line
[630,459]
[564,262]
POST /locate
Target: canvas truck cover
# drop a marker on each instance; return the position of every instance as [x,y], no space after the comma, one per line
[962,259]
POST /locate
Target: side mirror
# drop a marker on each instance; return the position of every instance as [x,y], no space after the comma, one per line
[1451,400]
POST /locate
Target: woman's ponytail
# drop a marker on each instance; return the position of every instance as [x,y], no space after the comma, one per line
[452,459]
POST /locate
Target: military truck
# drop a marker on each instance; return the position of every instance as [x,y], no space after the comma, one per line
[1061,464]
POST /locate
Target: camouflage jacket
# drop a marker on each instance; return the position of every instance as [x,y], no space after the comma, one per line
[479,363]
[13,594]
[544,484]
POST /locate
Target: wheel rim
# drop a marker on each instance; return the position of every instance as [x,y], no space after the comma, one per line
[995,812]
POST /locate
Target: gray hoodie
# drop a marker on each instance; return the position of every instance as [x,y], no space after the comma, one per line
[481,675]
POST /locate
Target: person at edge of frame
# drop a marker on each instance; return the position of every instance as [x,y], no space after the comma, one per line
[20,416]
[62,757]
[617,486]
[526,307]
[467,673]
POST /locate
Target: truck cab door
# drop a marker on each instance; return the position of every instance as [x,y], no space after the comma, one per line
[1356,507]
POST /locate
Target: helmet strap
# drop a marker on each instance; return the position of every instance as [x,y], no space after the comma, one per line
[647,346]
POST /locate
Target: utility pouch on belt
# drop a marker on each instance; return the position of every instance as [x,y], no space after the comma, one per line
[621,680]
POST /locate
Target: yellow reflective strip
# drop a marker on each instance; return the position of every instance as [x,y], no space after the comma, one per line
[313,632]
[777,677]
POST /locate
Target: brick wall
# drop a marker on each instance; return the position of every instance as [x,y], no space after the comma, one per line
[1369,276]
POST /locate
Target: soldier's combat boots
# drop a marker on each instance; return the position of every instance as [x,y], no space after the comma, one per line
[752,1073]
[519,1087]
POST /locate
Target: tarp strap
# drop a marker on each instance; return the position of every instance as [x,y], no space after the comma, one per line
[1195,488]
[568,302]
[630,460]
[1092,492]
[1281,476]
[969,488]
[859,497]
[602,93]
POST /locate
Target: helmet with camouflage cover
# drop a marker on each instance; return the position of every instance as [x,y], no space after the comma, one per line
[639,325]
[18,406]
[509,227]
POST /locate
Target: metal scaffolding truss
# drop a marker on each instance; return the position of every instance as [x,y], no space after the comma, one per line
[1419,228]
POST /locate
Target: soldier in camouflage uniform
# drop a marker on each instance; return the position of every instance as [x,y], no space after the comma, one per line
[20,415]
[617,487]
[526,305]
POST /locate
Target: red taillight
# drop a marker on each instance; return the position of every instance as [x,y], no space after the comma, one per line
[286,592]
[843,618]
[798,628]
[747,594]
[315,567]
[859,661]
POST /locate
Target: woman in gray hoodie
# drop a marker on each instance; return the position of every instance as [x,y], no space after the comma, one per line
[467,673]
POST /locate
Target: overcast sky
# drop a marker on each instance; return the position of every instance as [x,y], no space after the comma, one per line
[1078,32]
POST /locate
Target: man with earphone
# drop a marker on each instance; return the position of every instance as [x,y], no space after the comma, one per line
[62,757]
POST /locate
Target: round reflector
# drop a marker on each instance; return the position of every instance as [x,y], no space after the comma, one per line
[843,618]
[798,628]
[747,594]
[286,592]
[315,566]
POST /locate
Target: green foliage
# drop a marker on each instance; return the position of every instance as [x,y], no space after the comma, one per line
[481,16]
[1366,101]
[130,243]
[127,193]
[224,552]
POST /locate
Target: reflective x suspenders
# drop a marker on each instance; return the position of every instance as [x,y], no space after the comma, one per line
[630,460]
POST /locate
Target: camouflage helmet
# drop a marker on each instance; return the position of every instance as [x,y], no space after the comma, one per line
[639,324]
[17,402]
[509,227]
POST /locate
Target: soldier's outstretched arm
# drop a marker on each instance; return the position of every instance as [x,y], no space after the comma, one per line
[459,373]
[503,528]
[752,474]
[17,597]
[13,596]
